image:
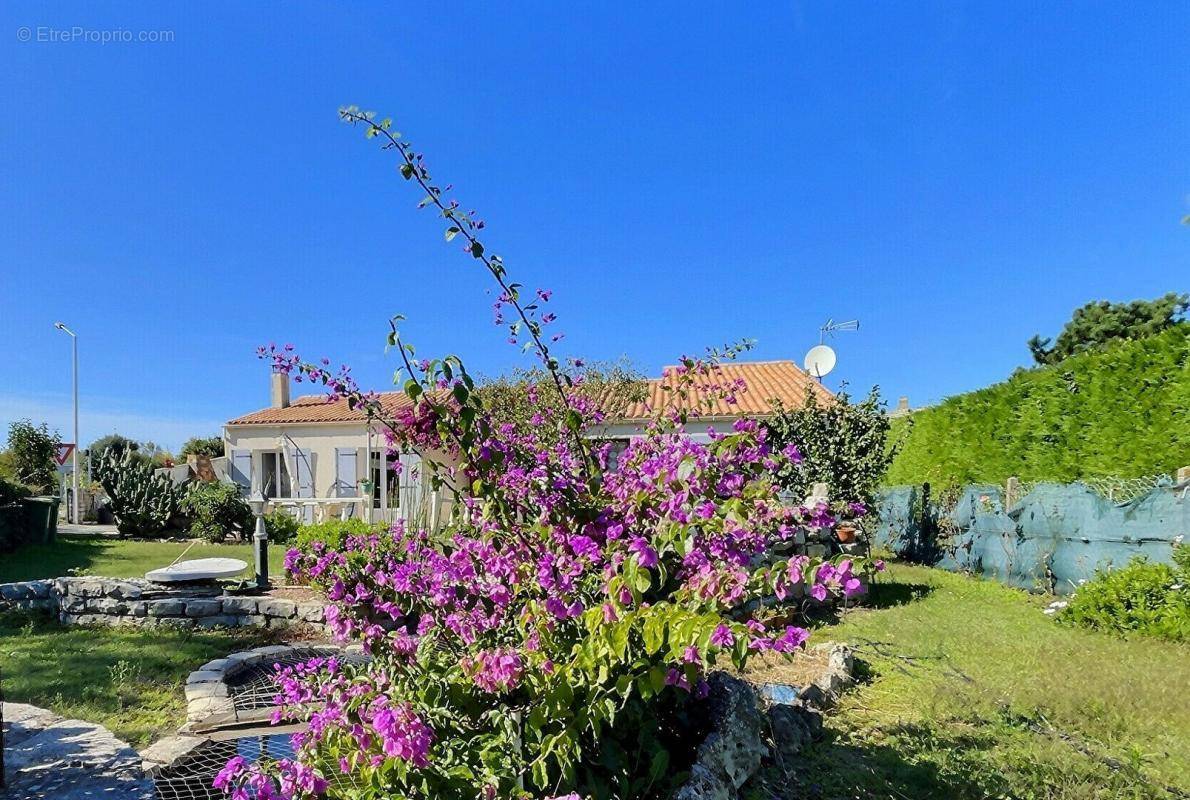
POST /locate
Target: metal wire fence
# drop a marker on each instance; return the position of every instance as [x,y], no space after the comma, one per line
[1116,489]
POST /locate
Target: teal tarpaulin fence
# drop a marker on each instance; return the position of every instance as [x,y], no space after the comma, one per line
[1050,539]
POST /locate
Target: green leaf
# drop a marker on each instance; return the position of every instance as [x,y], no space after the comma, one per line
[654,634]
[452,232]
[406,171]
[541,775]
[659,765]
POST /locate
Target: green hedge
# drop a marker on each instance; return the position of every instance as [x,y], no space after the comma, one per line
[1123,411]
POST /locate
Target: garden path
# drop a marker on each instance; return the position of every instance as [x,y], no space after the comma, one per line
[47,756]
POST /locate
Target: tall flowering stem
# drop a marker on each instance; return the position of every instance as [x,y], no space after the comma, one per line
[465,224]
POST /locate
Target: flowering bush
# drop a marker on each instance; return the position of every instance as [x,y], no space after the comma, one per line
[548,640]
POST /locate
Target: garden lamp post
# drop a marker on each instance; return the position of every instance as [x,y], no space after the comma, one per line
[260,540]
[74,462]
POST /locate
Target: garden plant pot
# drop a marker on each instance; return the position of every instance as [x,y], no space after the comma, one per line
[845,533]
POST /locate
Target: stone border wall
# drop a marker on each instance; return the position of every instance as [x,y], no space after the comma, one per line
[210,705]
[208,689]
[141,603]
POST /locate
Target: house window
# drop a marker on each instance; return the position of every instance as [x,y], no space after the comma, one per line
[386,480]
[274,476]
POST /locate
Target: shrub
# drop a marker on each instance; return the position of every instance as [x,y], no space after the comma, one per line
[10,491]
[842,444]
[281,526]
[332,534]
[12,515]
[210,446]
[1143,597]
[31,450]
[143,503]
[215,510]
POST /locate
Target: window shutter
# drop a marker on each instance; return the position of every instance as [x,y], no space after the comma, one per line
[346,477]
[241,470]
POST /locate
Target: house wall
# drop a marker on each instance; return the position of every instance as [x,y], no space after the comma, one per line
[695,428]
[321,443]
[318,441]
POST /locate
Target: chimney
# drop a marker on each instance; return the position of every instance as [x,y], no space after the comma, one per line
[279,390]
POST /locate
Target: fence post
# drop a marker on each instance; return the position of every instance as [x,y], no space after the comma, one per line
[1012,490]
[924,526]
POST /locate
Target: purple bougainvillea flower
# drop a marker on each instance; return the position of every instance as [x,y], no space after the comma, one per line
[646,556]
[791,452]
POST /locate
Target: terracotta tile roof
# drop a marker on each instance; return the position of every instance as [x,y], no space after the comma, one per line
[766,381]
[315,408]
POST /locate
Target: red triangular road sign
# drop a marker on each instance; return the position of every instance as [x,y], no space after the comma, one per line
[64,451]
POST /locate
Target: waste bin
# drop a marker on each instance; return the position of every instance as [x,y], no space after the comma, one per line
[41,519]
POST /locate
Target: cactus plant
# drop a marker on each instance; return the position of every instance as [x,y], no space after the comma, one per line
[142,502]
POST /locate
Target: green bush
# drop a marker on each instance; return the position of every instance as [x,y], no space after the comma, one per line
[843,444]
[1120,411]
[10,492]
[282,526]
[31,452]
[12,515]
[215,510]
[211,446]
[1143,597]
[332,533]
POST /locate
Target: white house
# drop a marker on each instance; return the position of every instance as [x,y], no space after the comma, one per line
[322,459]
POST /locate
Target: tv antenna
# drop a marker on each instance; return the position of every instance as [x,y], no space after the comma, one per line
[831,327]
[821,358]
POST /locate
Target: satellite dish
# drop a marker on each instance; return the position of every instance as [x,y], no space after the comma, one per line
[820,360]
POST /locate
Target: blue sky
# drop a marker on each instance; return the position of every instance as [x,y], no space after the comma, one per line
[957,176]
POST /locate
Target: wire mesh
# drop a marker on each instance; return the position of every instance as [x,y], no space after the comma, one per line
[1117,490]
[1125,490]
[192,776]
[253,688]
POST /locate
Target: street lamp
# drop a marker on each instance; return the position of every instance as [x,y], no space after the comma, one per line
[74,463]
[260,540]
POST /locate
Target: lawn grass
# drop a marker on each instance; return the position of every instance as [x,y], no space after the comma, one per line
[969,691]
[127,679]
[119,558]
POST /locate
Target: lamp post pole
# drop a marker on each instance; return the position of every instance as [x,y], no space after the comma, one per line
[74,463]
[260,541]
